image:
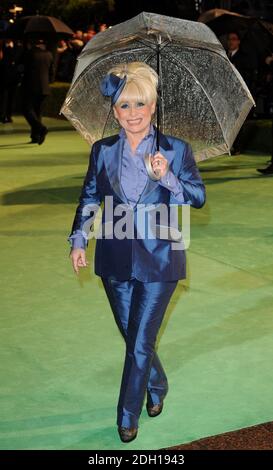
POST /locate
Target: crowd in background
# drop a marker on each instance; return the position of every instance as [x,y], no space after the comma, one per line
[35,64]
[257,74]
[68,51]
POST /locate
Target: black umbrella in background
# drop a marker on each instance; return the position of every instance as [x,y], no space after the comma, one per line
[48,28]
[39,25]
[256,34]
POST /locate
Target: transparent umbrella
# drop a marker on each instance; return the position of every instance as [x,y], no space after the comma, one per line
[202,97]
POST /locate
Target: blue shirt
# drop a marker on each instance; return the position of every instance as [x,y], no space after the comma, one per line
[133,172]
[134,177]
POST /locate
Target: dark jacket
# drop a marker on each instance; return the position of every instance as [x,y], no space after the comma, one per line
[38,71]
[10,73]
[247,66]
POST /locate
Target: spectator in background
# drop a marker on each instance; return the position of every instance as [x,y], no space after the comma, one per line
[38,66]
[78,35]
[102,27]
[245,62]
[67,59]
[268,86]
[61,46]
[247,66]
[10,78]
[89,34]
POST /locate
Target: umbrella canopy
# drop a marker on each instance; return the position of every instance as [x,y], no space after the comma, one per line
[38,25]
[204,99]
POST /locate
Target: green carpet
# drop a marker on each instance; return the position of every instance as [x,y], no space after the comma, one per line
[61,352]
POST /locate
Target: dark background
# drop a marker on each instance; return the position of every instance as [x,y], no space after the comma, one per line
[82,13]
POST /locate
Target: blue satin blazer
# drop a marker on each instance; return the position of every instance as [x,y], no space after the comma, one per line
[144,258]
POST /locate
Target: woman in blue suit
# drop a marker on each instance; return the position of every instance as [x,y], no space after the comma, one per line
[139,272]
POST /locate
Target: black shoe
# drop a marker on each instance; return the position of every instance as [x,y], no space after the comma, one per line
[266,171]
[42,136]
[34,138]
[127,434]
[6,119]
[154,410]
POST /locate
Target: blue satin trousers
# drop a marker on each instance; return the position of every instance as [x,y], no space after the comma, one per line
[138,309]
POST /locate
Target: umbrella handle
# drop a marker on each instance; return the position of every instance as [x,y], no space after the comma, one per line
[154,175]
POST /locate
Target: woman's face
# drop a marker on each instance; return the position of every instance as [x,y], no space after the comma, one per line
[134,116]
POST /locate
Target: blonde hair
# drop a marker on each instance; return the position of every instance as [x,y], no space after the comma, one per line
[141,83]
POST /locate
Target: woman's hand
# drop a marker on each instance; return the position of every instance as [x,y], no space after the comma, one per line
[78,258]
[160,164]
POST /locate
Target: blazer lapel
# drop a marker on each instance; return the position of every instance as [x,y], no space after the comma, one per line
[112,160]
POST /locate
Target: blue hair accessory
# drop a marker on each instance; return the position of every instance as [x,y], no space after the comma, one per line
[112,85]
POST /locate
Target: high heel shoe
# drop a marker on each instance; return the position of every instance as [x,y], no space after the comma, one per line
[154,410]
[127,434]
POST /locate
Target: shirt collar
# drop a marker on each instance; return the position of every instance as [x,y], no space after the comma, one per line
[151,132]
[233,52]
